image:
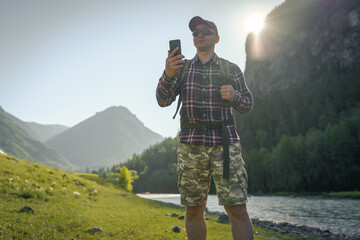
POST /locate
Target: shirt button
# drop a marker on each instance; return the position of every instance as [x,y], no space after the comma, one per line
[204,114]
[203,89]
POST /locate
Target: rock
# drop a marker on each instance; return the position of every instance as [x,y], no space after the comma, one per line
[26,209]
[224,219]
[182,217]
[95,229]
[176,229]
[174,215]
[325,40]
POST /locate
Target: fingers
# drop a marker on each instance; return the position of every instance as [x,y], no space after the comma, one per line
[227,92]
[173,63]
[171,54]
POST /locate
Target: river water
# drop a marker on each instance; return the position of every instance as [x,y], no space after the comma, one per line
[340,216]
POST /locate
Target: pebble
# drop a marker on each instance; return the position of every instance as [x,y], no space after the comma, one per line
[26,208]
[176,229]
[224,219]
[95,229]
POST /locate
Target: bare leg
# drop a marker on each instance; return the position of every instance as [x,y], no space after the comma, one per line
[241,226]
[195,223]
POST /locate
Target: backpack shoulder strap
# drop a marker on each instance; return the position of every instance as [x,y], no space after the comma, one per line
[181,81]
[224,66]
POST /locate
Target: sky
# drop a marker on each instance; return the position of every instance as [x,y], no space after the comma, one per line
[61,62]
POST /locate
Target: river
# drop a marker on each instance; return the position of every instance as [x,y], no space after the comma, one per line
[340,216]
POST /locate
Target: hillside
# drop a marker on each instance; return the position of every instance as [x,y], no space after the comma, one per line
[68,205]
[36,131]
[109,137]
[16,142]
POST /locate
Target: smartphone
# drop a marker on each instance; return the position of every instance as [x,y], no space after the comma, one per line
[174,44]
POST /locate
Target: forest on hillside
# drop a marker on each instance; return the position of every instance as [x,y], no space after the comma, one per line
[302,139]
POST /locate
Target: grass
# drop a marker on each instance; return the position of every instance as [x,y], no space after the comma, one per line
[350,194]
[354,194]
[67,205]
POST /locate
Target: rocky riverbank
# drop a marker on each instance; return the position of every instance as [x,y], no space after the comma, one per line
[284,227]
[287,228]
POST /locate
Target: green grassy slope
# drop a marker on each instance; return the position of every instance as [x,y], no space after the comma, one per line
[15,141]
[67,205]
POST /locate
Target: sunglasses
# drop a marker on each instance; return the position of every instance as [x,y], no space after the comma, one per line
[204,32]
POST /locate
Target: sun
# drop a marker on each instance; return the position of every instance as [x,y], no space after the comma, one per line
[255,22]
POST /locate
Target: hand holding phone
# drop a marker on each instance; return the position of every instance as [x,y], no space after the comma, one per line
[173,45]
[174,60]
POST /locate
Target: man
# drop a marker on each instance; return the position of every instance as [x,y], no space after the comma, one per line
[206,125]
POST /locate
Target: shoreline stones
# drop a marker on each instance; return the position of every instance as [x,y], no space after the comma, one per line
[288,228]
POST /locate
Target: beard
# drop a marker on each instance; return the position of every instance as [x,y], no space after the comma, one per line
[205,45]
[205,48]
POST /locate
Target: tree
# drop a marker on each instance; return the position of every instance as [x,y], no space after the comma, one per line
[126,178]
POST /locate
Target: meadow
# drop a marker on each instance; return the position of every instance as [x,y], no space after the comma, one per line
[67,205]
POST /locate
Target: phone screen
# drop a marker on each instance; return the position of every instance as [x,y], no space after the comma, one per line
[174,44]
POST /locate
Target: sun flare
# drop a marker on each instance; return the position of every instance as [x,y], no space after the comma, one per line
[255,22]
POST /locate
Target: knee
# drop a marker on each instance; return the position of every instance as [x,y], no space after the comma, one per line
[195,213]
[238,213]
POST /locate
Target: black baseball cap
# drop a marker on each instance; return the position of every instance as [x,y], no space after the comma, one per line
[198,20]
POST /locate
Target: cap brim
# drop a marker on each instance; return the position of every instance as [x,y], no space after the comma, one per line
[198,20]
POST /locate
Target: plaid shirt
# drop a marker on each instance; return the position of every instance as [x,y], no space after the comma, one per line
[202,102]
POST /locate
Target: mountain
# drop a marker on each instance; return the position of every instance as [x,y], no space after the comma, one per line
[34,130]
[16,142]
[303,41]
[46,132]
[304,72]
[107,138]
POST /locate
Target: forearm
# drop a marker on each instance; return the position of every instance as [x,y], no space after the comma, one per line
[243,101]
[164,91]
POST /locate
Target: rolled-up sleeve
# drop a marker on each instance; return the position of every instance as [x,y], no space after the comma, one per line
[165,93]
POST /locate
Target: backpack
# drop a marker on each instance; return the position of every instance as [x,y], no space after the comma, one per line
[224,66]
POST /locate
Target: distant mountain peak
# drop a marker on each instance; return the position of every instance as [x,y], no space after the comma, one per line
[109,137]
[115,109]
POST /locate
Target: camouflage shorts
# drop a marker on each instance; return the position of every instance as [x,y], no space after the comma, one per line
[195,166]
